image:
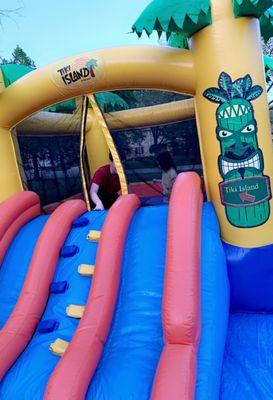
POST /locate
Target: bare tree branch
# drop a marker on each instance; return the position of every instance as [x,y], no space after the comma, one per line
[270,103]
[269,87]
[9,14]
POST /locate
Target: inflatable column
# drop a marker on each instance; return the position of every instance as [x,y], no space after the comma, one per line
[96,146]
[234,127]
[9,172]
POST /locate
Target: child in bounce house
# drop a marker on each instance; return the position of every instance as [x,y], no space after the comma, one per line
[105,186]
[169,173]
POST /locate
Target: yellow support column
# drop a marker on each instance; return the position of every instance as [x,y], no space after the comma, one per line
[234,127]
[2,81]
[111,145]
[97,149]
[10,180]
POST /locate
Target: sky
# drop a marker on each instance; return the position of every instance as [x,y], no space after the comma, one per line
[49,30]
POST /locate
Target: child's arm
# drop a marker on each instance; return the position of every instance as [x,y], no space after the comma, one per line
[95,198]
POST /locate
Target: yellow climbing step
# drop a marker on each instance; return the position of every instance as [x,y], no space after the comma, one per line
[86,270]
[75,311]
[58,347]
[94,236]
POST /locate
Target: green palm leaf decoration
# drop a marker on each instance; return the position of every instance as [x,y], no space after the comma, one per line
[262,9]
[178,40]
[268,66]
[268,63]
[254,8]
[65,107]
[266,22]
[174,16]
[109,102]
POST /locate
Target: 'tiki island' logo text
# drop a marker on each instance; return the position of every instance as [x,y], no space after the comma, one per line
[81,70]
[252,191]
[79,73]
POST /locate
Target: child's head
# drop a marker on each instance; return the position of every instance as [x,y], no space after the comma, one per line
[165,161]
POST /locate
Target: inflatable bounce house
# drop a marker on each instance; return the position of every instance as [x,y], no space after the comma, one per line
[168,301]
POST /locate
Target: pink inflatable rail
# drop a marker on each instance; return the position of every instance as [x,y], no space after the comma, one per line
[15,212]
[176,372]
[72,375]
[21,324]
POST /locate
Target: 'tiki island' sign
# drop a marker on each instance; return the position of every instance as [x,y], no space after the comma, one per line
[251,192]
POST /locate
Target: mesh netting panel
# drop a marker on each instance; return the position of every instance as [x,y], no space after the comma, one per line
[52,166]
[139,147]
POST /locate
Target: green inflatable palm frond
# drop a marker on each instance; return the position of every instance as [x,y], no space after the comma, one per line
[174,16]
[250,8]
[262,9]
[178,40]
[266,23]
[109,102]
[268,66]
[65,107]
[268,63]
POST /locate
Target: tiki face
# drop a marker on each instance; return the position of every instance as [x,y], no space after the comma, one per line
[237,133]
[244,191]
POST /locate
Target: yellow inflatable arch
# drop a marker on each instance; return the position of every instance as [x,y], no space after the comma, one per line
[119,68]
[196,72]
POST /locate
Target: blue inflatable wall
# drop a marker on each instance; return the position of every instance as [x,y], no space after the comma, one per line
[251,277]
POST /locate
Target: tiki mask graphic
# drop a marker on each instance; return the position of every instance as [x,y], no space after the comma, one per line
[245,191]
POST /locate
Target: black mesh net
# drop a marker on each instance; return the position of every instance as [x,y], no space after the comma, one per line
[51,166]
[50,157]
[50,161]
[138,149]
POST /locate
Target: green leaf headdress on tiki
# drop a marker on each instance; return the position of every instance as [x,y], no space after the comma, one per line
[245,191]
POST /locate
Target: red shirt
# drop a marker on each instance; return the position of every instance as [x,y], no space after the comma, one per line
[109,185]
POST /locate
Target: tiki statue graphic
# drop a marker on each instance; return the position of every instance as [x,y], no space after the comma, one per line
[245,191]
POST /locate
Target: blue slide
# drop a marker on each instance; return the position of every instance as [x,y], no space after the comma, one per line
[136,326]
[28,377]
[127,368]
[15,265]
[235,353]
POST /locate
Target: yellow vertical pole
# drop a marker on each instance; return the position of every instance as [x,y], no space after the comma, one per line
[10,180]
[234,126]
[82,150]
[111,145]
[2,82]
[96,146]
